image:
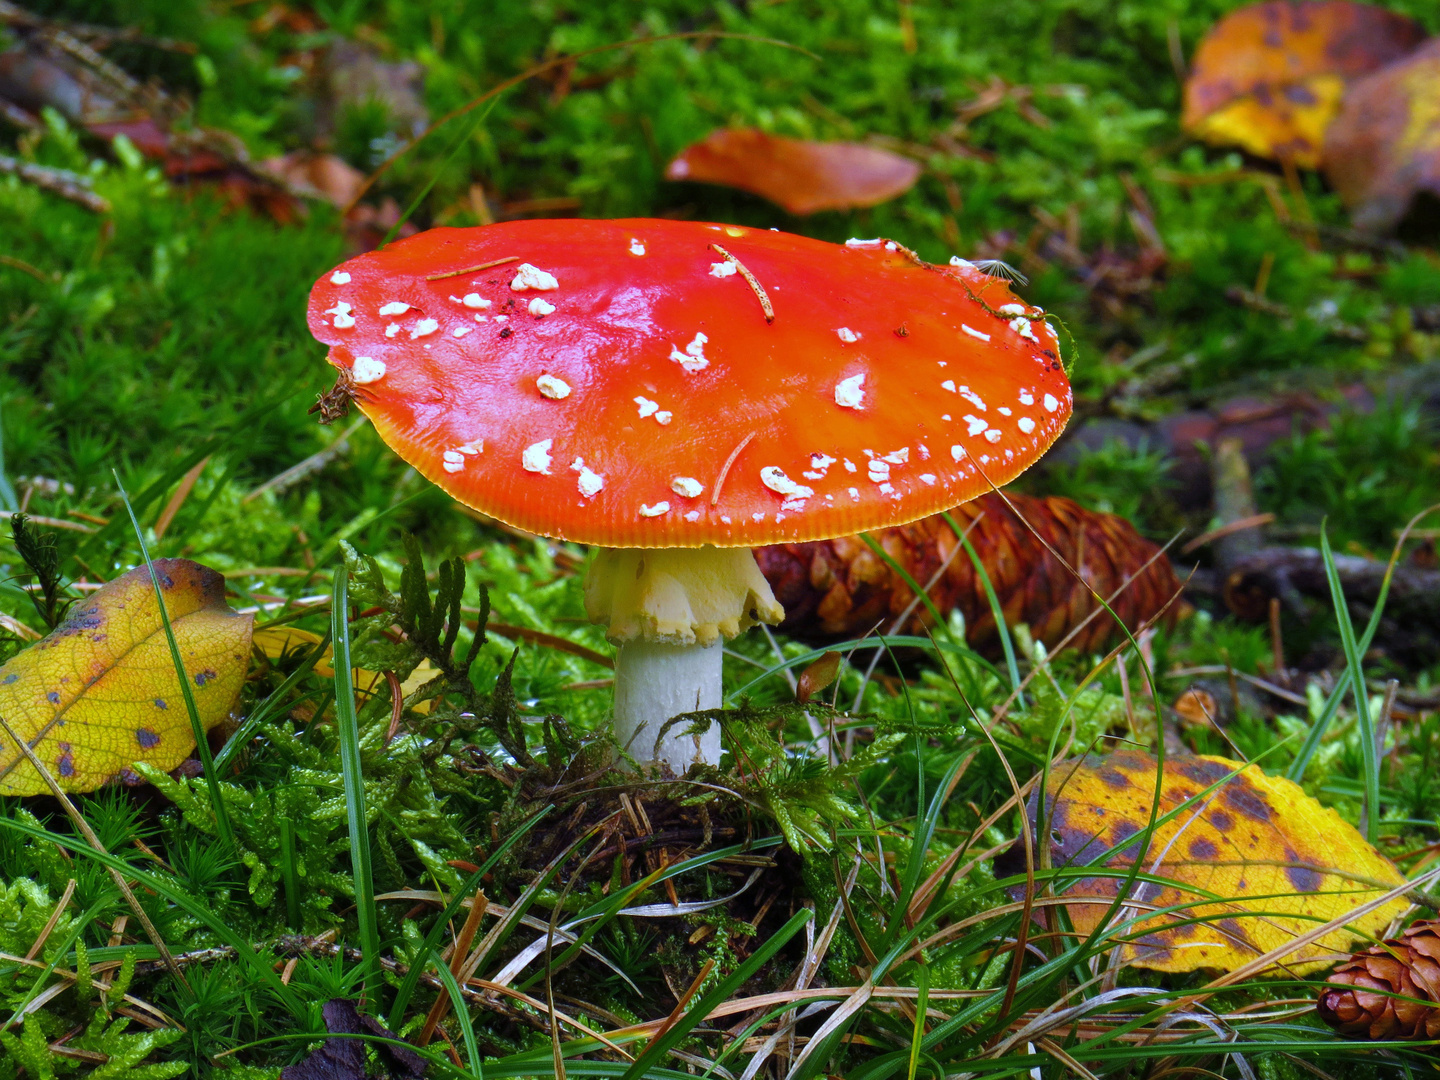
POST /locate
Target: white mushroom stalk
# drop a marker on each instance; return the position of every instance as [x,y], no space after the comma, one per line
[669,612]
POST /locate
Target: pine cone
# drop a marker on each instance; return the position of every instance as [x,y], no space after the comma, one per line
[1366,995]
[839,588]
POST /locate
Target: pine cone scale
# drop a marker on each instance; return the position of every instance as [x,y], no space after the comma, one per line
[1388,991]
[839,588]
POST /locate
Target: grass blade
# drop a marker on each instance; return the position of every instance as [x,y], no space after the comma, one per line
[8,501]
[1369,757]
[899,641]
[347,725]
[244,424]
[1332,705]
[202,742]
[1319,728]
[996,611]
[915,587]
[922,1006]
[437,931]
[722,990]
[599,914]
[920,851]
[438,170]
[461,1011]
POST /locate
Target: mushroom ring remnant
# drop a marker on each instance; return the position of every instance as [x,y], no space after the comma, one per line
[643,384]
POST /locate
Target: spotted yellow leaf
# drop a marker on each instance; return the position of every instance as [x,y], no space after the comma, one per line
[101,692]
[1270,77]
[1248,867]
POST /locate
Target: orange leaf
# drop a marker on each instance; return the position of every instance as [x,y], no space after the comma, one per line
[801,176]
[1269,77]
[1248,867]
[320,176]
[100,692]
[1384,146]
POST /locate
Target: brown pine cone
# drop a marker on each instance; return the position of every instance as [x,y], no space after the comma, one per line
[1366,995]
[839,588]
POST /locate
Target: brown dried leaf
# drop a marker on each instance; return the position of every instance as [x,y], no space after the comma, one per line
[800,175]
[1197,708]
[1270,77]
[840,588]
[1384,146]
[1248,868]
[817,677]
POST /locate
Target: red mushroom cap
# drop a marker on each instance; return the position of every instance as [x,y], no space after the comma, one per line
[618,383]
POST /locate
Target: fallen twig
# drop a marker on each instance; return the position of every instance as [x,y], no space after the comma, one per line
[1412,611]
[312,464]
[61,182]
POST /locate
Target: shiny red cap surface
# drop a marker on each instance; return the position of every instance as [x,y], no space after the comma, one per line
[618,383]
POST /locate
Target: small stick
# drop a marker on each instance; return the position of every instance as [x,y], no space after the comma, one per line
[187,484]
[1123,671]
[314,463]
[755,286]
[540,637]
[725,469]
[60,906]
[473,269]
[684,1000]
[18,117]
[26,268]
[19,629]
[1382,725]
[1230,528]
[1234,687]
[62,182]
[1277,641]
[458,956]
[397,707]
[59,523]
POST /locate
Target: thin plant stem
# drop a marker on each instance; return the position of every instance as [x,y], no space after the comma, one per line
[1354,663]
[348,728]
[202,742]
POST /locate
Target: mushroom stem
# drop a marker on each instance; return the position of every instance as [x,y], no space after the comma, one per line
[668,610]
[654,682]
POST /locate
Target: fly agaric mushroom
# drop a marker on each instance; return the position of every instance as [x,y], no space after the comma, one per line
[676,393]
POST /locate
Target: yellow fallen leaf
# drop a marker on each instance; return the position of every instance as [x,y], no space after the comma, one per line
[276,641]
[100,692]
[1383,150]
[1249,867]
[1269,77]
[1289,126]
